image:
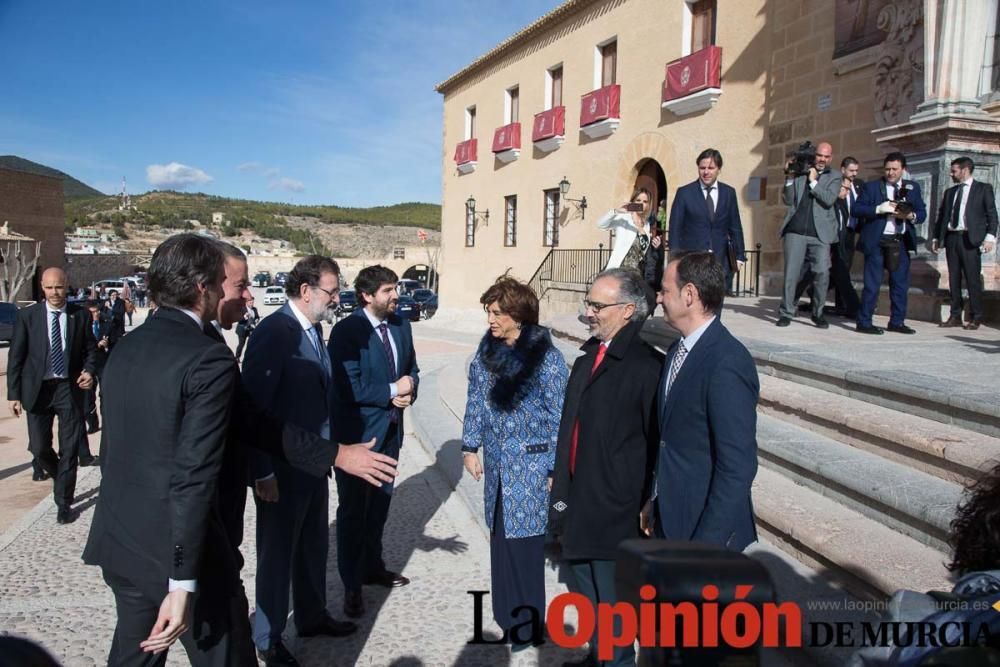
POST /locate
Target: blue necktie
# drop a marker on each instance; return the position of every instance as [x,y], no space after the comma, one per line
[55,344]
[97,331]
[324,357]
[852,222]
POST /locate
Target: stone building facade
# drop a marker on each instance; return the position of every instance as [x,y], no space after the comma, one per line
[869,77]
[33,205]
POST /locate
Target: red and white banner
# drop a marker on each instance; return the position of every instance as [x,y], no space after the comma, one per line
[507,137]
[465,152]
[698,71]
[548,124]
[600,104]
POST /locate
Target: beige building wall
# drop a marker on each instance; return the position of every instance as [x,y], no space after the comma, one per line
[649,34]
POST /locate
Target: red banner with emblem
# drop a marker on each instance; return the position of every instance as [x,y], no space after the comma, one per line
[507,137]
[600,104]
[698,71]
[548,124]
[465,152]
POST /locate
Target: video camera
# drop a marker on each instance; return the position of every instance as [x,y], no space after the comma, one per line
[904,207]
[803,159]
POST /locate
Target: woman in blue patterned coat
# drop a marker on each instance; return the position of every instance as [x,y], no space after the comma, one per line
[516,385]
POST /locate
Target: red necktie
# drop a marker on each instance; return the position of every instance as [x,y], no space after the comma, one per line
[601,350]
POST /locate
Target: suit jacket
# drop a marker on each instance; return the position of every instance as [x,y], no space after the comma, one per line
[980,213]
[692,229]
[283,375]
[104,329]
[361,396]
[708,443]
[28,358]
[871,226]
[157,513]
[823,197]
[598,507]
[117,314]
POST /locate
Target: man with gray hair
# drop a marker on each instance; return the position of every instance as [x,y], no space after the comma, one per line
[608,439]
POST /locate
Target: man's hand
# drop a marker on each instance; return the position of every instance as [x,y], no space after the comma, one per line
[646,519]
[404,385]
[788,163]
[935,246]
[171,623]
[267,489]
[886,207]
[103,343]
[988,247]
[657,241]
[403,401]
[472,464]
[15,407]
[85,381]
[813,174]
[359,460]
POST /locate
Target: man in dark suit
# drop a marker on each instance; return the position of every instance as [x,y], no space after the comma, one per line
[607,442]
[966,227]
[842,252]
[375,379]
[887,234]
[248,321]
[51,363]
[116,313]
[808,230]
[708,415]
[706,216]
[104,337]
[287,371]
[157,533]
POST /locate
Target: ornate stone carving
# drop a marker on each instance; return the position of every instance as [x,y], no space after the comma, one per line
[899,72]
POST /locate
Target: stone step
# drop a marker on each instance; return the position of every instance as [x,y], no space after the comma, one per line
[948,452]
[909,501]
[869,558]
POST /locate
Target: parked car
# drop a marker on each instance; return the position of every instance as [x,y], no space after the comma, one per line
[422,294]
[408,308]
[429,307]
[348,303]
[8,313]
[280,278]
[275,296]
[261,279]
[407,285]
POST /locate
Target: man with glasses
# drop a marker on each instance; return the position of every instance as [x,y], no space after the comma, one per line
[288,371]
[607,441]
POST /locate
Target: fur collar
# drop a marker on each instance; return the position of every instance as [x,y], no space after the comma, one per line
[512,367]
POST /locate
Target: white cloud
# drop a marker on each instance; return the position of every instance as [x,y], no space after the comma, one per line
[271,172]
[175,176]
[249,167]
[287,184]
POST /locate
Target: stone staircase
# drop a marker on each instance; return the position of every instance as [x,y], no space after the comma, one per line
[861,471]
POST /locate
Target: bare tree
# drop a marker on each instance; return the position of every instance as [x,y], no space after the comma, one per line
[17,269]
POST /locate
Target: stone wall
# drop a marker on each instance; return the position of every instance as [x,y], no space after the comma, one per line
[83,270]
[33,205]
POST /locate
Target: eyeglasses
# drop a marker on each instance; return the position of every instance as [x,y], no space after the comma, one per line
[598,307]
[332,295]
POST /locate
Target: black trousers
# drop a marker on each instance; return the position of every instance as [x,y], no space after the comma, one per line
[964,261]
[841,257]
[242,333]
[56,398]
[219,635]
[362,510]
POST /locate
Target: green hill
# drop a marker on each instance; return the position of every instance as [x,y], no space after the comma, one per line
[72,188]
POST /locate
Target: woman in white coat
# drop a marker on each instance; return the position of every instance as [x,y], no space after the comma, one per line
[636,247]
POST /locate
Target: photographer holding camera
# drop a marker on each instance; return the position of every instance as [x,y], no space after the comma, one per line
[887,211]
[810,226]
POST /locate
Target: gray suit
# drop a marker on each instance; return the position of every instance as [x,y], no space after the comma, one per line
[805,252]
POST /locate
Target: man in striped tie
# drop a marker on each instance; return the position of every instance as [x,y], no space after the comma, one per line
[708,415]
[52,362]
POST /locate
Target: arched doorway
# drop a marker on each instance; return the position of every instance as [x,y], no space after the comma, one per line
[423,273]
[650,176]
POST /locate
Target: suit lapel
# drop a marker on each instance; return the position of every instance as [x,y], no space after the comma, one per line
[688,370]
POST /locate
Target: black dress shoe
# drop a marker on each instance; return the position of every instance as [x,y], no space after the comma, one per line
[93,429]
[39,476]
[65,516]
[387,579]
[329,627]
[354,604]
[951,322]
[870,329]
[972,326]
[277,656]
[900,328]
[87,461]
[783,321]
[820,322]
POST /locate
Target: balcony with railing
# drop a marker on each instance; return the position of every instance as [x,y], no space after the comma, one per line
[549,129]
[693,83]
[507,142]
[599,111]
[465,156]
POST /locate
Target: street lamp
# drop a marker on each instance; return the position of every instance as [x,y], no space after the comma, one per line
[470,207]
[581,203]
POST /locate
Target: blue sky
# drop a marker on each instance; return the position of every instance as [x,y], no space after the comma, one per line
[301,101]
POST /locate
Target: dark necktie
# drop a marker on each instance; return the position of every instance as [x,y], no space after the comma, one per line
[956,206]
[324,356]
[383,330]
[56,355]
[97,331]
[601,351]
[709,203]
